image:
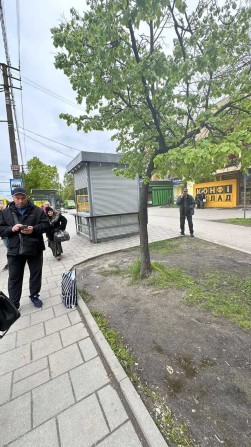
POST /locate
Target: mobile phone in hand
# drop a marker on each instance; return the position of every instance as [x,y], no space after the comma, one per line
[24,227]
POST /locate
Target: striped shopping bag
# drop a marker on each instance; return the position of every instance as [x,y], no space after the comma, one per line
[69,289]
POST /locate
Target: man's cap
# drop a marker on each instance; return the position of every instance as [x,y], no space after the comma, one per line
[19,191]
[185,190]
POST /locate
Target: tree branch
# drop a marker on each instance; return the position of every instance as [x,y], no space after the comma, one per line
[148,100]
[231,104]
[208,90]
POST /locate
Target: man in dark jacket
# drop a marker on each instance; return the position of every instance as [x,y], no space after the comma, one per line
[186,204]
[23,220]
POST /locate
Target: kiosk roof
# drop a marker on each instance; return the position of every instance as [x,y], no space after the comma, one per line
[92,157]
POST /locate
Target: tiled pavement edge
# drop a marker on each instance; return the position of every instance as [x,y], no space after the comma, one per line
[55,388]
[134,401]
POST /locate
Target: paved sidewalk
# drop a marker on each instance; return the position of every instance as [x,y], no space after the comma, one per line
[60,383]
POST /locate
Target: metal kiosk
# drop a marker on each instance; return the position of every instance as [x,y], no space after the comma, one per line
[107,206]
[39,196]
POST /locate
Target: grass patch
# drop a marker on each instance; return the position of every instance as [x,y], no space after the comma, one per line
[134,270]
[115,341]
[164,247]
[224,296]
[239,221]
[164,277]
[111,271]
[85,295]
[168,426]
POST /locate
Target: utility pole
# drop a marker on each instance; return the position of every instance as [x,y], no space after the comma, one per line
[13,148]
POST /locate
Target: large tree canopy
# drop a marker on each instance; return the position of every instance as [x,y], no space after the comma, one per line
[153,72]
[68,187]
[41,176]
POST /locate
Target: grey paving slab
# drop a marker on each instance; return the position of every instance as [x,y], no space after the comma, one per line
[74,317]
[73,333]
[21,323]
[30,382]
[56,324]
[88,378]
[87,348]
[52,301]
[65,360]
[43,436]
[57,287]
[8,342]
[14,359]
[60,309]
[30,369]
[30,334]
[84,423]
[45,346]
[15,419]
[5,387]
[56,292]
[51,398]
[112,406]
[125,436]
[50,286]
[56,276]
[27,308]
[42,315]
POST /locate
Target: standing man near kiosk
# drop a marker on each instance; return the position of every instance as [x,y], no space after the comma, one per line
[186,204]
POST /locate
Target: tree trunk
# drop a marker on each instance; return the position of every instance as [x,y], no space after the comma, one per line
[143,234]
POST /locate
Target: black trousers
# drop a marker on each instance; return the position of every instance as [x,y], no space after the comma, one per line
[189,220]
[16,273]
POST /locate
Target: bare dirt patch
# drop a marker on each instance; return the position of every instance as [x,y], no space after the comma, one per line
[199,363]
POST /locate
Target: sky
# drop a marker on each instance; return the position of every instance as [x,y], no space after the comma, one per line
[37,111]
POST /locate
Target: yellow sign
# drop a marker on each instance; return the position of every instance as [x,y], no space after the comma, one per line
[38,203]
[3,202]
[218,194]
[83,205]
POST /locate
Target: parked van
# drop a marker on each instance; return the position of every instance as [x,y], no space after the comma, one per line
[69,204]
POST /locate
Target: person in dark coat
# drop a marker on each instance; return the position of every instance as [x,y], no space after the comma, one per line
[197,200]
[57,222]
[203,199]
[23,220]
[186,204]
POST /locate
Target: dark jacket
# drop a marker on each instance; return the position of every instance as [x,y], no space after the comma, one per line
[57,222]
[186,205]
[33,216]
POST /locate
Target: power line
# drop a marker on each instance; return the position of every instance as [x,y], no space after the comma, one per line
[19,66]
[49,139]
[18,32]
[51,93]
[49,147]
[2,18]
